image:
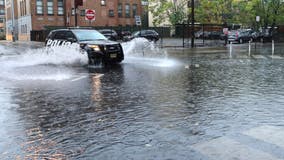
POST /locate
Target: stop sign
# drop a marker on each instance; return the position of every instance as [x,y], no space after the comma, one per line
[90,14]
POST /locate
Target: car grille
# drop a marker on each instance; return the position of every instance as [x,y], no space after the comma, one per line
[113,48]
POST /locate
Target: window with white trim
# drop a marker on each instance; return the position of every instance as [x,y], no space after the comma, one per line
[134,10]
[119,10]
[50,7]
[60,7]
[39,7]
[127,10]
[2,2]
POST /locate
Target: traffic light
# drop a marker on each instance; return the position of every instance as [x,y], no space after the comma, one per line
[78,3]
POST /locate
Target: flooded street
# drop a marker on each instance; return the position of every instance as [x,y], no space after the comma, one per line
[158,104]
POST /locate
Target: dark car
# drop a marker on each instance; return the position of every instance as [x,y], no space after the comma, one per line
[124,35]
[240,36]
[97,46]
[151,35]
[202,34]
[215,35]
[265,35]
[257,36]
[109,33]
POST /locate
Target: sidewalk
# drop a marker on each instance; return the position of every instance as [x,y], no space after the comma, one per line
[186,42]
[23,44]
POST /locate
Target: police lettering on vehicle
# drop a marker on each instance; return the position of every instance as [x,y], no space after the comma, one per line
[56,43]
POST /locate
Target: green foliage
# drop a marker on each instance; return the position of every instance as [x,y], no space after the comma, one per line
[242,12]
[217,11]
[168,11]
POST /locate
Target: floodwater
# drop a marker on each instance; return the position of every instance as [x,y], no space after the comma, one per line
[157,104]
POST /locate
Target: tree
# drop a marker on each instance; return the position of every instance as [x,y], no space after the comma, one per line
[215,11]
[173,12]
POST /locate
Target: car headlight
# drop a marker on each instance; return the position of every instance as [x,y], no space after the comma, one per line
[94,47]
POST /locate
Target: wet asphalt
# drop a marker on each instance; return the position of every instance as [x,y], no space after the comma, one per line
[209,103]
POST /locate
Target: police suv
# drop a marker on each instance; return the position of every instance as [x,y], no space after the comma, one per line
[99,49]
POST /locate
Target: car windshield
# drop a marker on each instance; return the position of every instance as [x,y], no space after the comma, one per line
[88,35]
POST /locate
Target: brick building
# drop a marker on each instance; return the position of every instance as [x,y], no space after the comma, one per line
[32,15]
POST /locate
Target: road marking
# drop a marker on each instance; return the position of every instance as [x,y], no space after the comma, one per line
[96,76]
[259,57]
[270,134]
[227,149]
[276,57]
[79,78]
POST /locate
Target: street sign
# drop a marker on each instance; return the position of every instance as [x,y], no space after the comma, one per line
[138,20]
[90,15]
[257,18]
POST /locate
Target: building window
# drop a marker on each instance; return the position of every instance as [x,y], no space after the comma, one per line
[103,2]
[127,10]
[1,20]
[24,29]
[82,12]
[60,8]
[2,2]
[2,11]
[119,10]
[39,7]
[134,10]
[111,13]
[50,7]
[23,8]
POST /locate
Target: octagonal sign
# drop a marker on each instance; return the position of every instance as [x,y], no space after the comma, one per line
[90,15]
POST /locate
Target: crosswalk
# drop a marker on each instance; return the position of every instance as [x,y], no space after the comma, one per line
[228,148]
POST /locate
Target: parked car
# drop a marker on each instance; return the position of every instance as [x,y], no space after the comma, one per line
[239,36]
[215,35]
[151,35]
[99,49]
[202,34]
[110,34]
[124,35]
[267,35]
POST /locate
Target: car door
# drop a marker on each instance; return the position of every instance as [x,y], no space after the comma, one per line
[64,38]
[143,34]
[149,35]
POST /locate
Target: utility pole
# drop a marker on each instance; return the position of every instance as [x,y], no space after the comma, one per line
[75,13]
[192,23]
[13,21]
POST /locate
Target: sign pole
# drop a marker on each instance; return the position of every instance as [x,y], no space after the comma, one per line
[192,23]
[75,9]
